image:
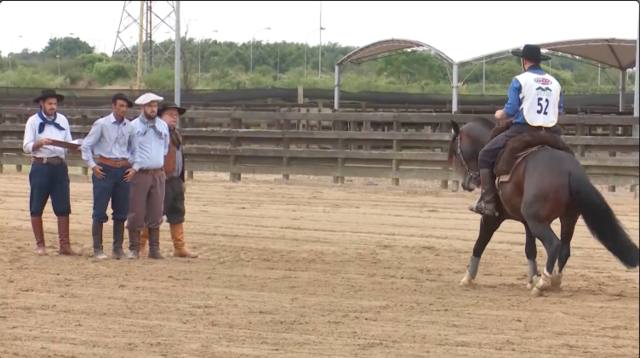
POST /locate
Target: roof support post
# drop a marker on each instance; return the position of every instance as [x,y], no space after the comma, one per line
[621,89]
[454,92]
[484,65]
[336,89]
[636,89]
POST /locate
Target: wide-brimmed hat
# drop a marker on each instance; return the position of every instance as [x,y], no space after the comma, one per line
[167,105]
[531,53]
[49,93]
[123,97]
[147,98]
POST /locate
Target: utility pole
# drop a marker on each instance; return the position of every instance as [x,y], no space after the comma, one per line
[140,45]
[320,47]
[176,88]
[136,28]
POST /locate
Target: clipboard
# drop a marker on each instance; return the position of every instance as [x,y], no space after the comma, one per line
[75,145]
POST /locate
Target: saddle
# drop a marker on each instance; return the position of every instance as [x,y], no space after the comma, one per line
[520,147]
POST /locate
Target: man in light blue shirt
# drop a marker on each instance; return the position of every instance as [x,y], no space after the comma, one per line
[109,140]
[149,145]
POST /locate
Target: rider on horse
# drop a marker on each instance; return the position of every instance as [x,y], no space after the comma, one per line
[534,101]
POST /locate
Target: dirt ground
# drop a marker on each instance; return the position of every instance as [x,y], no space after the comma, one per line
[309,269]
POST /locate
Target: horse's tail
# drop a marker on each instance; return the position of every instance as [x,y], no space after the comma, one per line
[601,220]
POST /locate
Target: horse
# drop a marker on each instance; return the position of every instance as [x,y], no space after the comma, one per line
[546,185]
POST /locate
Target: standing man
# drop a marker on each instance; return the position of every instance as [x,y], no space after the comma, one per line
[149,145]
[109,141]
[49,175]
[174,186]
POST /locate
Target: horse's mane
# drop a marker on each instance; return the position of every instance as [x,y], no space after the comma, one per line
[484,122]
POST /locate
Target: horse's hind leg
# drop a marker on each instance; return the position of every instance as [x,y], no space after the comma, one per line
[552,245]
[488,226]
[568,225]
[531,252]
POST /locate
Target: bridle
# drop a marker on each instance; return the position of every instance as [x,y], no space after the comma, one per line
[473,175]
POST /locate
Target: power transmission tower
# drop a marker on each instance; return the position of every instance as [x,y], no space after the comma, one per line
[141,24]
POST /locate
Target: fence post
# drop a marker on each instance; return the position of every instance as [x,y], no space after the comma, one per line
[612,133]
[455,185]
[285,160]
[234,142]
[339,179]
[580,131]
[444,128]
[395,163]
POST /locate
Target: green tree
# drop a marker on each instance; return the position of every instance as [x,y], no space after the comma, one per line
[66,47]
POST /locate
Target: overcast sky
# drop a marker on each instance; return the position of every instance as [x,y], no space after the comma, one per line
[461,30]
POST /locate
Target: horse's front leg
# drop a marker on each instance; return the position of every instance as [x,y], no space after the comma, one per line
[531,252]
[488,226]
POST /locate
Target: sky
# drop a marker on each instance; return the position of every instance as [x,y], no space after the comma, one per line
[461,30]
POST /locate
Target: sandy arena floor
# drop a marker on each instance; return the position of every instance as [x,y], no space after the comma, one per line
[309,269]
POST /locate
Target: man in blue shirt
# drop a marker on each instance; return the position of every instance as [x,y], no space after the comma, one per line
[109,140]
[149,145]
[534,103]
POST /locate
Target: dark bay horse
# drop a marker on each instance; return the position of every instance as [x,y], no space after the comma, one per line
[548,184]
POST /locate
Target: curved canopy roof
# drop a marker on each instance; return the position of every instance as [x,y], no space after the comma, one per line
[386,47]
[617,53]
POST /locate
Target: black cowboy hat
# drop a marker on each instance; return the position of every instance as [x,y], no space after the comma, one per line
[166,105]
[48,93]
[532,53]
[121,96]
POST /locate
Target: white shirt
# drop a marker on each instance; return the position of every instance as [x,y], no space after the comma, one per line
[31,136]
[108,138]
[540,97]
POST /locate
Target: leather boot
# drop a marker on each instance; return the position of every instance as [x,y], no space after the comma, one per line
[134,244]
[154,243]
[177,235]
[96,233]
[118,239]
[486,205]
[38,232]
[63,235]
[144,239]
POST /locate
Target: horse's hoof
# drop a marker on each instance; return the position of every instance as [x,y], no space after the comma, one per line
[536,292]
[467,281]
[544,282]
[556,281]
[532,282]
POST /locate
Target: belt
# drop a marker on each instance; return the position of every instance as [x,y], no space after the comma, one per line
[49,160]
[151,171]
[115,163]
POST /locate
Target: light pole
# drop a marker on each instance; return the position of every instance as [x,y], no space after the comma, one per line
[253,38]
[320,46]
[306,47]
[58,55]
[199,44]
[278,63]
[9,57]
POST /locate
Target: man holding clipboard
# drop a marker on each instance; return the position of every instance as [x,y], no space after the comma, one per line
[46,135]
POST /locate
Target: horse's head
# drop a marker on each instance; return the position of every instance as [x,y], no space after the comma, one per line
[464,148]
